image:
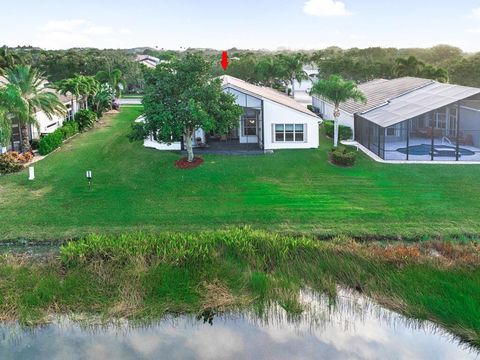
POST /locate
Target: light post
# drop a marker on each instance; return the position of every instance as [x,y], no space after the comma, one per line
[89,178]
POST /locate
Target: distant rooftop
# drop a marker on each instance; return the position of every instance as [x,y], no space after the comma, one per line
[265,93]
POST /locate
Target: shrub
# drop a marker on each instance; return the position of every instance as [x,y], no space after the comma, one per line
[34,143]
[9,163]
[343,156]
[85,119]
[50,142]
[344,132]
[69,129]
[25,158]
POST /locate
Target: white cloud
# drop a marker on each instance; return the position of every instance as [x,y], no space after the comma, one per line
[62,25]
[325,8]
[476,13]
[58,34]
[473,31]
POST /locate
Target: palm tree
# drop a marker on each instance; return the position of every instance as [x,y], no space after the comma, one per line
[266,70]
[114,78]
[32,92]
[292,66]
[336,90]
[69,86]
[8,59]
[80,86]
[435,73]
[11,103]
[410,66]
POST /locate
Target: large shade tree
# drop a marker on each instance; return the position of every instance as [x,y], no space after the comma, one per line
[337,91]
[32,92]
[181,97]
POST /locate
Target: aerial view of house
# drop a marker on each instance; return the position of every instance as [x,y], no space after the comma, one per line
[271,120]
[260,180]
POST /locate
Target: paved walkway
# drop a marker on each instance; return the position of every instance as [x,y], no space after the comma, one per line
[130,101]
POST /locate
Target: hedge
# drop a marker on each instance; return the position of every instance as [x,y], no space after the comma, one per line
[343,156]
[85,119]
[69,129]
[52,141]
[344,132]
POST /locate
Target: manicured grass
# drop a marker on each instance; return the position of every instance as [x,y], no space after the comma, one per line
[294,191]
[143,277]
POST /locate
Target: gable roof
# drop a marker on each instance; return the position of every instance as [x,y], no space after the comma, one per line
[265,93]
[379,92]
[419,102]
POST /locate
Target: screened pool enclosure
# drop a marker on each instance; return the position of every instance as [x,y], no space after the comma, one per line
[447,133]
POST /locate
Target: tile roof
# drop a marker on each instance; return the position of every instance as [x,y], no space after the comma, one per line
[379,92]
[265,93]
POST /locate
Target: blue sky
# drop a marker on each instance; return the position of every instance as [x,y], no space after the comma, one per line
[270,24]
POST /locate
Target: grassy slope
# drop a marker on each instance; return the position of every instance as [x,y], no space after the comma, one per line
[287,191]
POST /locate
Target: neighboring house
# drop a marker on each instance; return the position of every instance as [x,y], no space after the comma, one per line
[147,60]
[302,89]
[45,124]
[413,119]
[271,121]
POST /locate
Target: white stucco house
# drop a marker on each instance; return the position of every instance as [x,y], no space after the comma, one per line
[413,119]
[271,121]
[46,125]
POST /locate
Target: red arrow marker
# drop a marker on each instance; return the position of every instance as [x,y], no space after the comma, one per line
[224,60]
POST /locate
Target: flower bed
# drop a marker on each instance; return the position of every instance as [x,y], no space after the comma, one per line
[184,164]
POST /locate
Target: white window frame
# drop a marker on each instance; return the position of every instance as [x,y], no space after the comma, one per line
[304,132]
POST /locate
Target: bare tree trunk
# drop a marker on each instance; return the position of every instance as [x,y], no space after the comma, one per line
[24,134]
[188,144]
[336,115]
[335,132]
[293,87]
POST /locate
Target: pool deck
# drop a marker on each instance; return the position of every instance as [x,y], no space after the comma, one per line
[396,157]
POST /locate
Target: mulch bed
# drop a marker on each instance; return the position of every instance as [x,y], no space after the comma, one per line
[185,165]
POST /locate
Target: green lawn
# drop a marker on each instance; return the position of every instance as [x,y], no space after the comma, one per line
[289,191]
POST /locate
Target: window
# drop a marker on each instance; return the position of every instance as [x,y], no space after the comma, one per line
[279,132]
[250,127]
[394,130]
[289,132]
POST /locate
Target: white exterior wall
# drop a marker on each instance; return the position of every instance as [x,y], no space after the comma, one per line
[326,110]
[151,143]
[275,113]
[46,125]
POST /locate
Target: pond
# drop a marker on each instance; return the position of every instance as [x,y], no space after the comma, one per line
[353,327]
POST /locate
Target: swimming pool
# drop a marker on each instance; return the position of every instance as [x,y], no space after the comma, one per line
[439,150]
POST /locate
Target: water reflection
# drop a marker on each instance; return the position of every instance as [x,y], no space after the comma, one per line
[354,328]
